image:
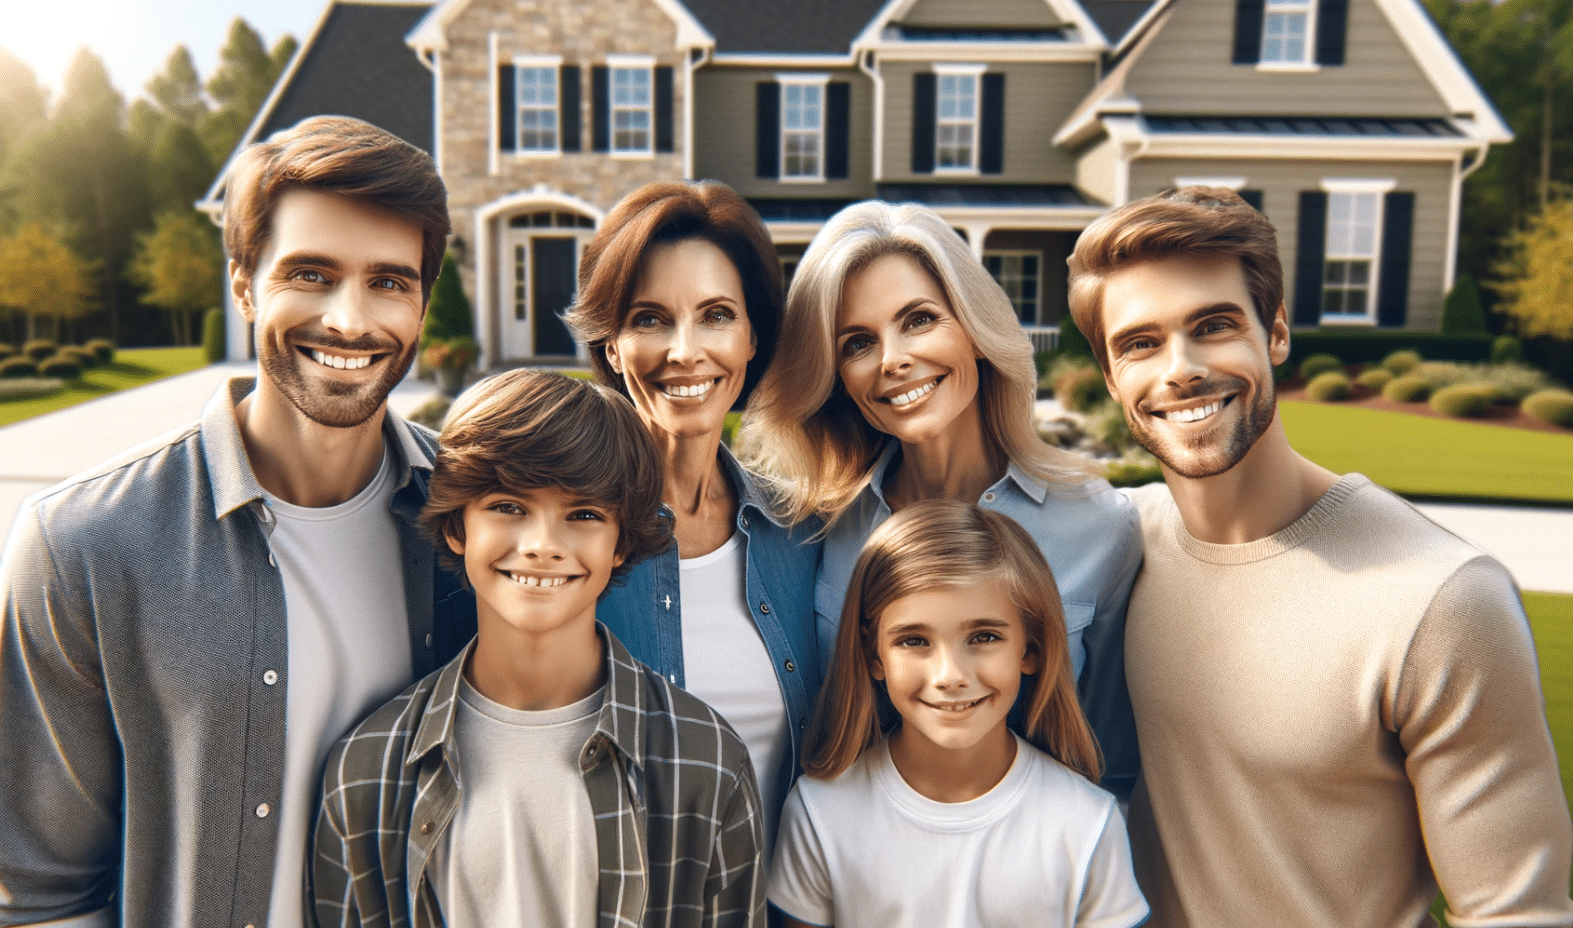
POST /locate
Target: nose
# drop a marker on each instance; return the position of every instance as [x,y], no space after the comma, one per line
[538,540]
[348,312]
[948,670]
[1185,364]
[684,349]
[894,357]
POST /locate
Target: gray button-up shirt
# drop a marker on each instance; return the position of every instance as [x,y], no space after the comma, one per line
[143,676]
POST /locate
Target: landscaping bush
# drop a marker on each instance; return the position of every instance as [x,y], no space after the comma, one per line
[1375,379]
[28,388]
[1407,389]
[18,366]
[1506,350]
[1441,374]
[1081,388]
[1553,406]
[103,347]
[64,366]
[1365,346]
[214,348]
[1464,400]
[1462,313]
[40,348]
[1133,469]
[1318,364]
[1072,343]
[432,413]
[83,356]
[1329,387]
[1513,382]
[1107,425]
[6,350]
[1401,362]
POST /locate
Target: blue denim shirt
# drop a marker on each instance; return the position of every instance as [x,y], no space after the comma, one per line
[645,612]
[1091,537]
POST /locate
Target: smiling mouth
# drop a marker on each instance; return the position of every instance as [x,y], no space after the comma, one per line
[1195,413]
[338,361]
[955,706]
[535,580]
[692,389]
[912,396]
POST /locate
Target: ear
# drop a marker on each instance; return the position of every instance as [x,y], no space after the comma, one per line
[876,669]
[240,291]
[1031,661]
[455,543]
[613,358]
[1278,337]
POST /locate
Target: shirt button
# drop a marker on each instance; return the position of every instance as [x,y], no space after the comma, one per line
[425,828]
[745,520]
[428,641]
[988,497]
[263,810]
[271,561]
[764,607]
[790,666]
[270,677]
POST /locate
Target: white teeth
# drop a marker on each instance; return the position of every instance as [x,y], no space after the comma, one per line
[537,581]
[339,362]
[698,389]
[911,395]
[1195,415]
[955,706]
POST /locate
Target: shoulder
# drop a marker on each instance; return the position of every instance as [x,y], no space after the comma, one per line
[847,793]
[420,441]
[682,728]
[1074,796]
[381,740]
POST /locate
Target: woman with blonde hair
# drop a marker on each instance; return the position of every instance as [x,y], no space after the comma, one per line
[910,378]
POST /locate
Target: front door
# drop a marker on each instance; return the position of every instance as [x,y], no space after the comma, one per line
[553,266]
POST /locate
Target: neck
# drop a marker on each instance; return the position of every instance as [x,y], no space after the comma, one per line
[945,775]
[693,477]
[301,461]
[534,672]
[1271,487]
[960,464]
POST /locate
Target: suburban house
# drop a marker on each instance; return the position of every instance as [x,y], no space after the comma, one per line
[1350,123]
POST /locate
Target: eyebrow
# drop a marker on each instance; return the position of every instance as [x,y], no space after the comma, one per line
[301,259]
[1201,312]
[908,628]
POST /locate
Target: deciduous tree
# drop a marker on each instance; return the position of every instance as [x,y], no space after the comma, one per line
[180,266]
[40,276]
[1537,276]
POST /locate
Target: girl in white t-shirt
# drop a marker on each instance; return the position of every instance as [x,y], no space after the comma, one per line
[920,806]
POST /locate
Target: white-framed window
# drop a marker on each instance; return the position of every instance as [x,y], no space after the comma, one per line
[536,95]
[632,113]
[802,126]
[1287,31]
[1353,249]
[956,90]
[1018,274]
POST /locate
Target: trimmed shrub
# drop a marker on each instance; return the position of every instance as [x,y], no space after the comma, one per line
[1375,379]
[1080,389]
[28,388]
[1441,374]
[103,347]
[1106,424]
[1553,406]
[1513,382]
[64,366]
[1072,342]
[1401,362]
[1365,346]
[40,348]
[1507,350]
[18,366]
[1318,364]
[1462,313]
[214,348]
[6,350]
[86,359]
[1464,400]
[1329,387]
[1407,389]
[1133,469]
[449,314]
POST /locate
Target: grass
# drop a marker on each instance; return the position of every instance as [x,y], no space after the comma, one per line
[1424,456]
[132,367]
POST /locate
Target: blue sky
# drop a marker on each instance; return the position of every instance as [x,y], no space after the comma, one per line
[134,37]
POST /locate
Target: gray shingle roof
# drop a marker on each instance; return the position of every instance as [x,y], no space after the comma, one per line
[797,27]
[1115,17]
[359,66]
[1036,195]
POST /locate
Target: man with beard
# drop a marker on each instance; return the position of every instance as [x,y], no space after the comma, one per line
[189,627]
[1337,701]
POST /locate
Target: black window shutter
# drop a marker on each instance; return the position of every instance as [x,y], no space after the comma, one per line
[600,109]
[1398,223]
[507,110]
[924,90]
[1309,262]
[838,121]
[767,129]
[663,108]
[1332,17]
[991,129]
[1253,197]
[1248,15]
[572,134]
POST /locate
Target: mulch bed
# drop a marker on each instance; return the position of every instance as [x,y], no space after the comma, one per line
[1510,416]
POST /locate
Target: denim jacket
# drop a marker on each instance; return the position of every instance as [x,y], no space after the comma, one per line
[644,610]
[1091,537]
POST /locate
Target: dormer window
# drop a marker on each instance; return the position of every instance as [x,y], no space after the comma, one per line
[803,126]
[1290,35]
[1286,32]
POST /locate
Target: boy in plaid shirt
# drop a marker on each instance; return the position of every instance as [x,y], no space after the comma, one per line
[543,777]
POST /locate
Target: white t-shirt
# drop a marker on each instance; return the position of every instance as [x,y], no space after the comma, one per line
[521,848]
[725,664]
[349,650]
[1043,848]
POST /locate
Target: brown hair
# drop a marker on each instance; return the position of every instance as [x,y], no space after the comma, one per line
[673,211]
[935,544]
[1189,221]
[527,430]
[344,156]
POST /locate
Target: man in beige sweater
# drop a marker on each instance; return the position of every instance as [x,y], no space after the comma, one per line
[1337,701]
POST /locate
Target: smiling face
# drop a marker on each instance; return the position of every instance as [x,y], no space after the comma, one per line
[952,660]
[336,300]
[685,342]
[537,560]
[1190,362]
[901,352]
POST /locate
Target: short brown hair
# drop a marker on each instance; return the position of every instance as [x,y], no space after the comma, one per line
[527,430]
[1189,221]
[674,211]
[348,157]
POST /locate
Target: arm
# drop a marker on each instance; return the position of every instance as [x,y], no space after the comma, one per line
[60,785]
[330,873]
[735,885]
[1102,688]
[1470,716]
[799,873]
[1109,895]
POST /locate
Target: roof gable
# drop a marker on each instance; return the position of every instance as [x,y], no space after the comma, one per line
[983,15]
[790,27]
[431,33]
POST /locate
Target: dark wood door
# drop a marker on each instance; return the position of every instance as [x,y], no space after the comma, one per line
[551,291]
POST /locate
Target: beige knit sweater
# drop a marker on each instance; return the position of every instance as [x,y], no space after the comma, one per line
[1335,719]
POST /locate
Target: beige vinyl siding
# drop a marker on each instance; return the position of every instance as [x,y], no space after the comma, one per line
[1097,167]
[724,133]
[1038,99]
[1187,70]
[981,13]
[1281,183]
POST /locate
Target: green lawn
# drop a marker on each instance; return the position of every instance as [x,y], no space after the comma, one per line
[132,367]
[1423,456]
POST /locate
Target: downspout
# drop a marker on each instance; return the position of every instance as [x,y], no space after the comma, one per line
[693,65]
[865,64]
[1450,259]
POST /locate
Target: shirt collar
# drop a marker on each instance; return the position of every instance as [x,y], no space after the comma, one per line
[1026,483]
[749,494]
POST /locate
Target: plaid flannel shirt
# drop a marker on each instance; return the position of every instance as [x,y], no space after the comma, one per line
[677,821]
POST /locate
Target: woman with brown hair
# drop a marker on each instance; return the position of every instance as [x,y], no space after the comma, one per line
[679,302]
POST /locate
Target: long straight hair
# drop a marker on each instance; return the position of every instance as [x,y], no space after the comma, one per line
[932,545]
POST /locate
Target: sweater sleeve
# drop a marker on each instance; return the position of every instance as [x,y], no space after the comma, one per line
[1470,716]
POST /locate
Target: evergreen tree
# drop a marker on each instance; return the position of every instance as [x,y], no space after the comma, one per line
[449,315]
[178,89]
[22,113]
[238,87]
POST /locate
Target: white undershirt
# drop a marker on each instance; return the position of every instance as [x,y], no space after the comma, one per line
[349,651]
[725,664]
[521,849]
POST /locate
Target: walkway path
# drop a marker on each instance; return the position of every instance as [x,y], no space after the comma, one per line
[39,452]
